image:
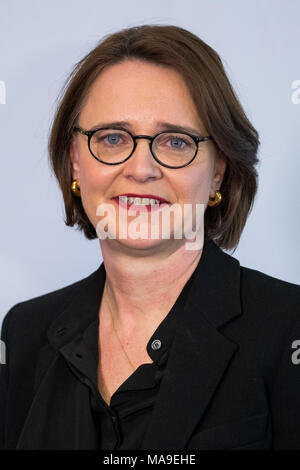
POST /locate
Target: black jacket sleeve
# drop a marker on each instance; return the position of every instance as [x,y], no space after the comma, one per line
[4,374]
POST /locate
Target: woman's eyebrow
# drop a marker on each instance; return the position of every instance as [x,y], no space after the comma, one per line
[161,125]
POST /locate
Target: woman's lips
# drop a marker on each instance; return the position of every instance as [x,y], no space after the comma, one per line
[139,207]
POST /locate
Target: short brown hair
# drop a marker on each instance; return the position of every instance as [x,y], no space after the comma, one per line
[235,138]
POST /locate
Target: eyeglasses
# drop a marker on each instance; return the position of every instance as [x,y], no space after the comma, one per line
[113,146]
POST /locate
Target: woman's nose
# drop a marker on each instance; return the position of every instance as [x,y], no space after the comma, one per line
[141,164]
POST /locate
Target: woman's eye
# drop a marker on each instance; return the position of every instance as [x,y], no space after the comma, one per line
[178,143]
[113,138]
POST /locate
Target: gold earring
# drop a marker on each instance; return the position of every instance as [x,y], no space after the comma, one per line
[216,200]
[75,188]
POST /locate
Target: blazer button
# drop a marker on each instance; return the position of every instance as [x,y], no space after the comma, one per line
[156,344]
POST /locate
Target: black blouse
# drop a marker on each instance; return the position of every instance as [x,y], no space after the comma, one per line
[122,424]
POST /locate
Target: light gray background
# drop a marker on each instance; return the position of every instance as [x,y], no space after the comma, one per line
[40,41]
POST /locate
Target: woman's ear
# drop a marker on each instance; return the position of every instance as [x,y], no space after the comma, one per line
[74,155]
[220,166]
[220,169]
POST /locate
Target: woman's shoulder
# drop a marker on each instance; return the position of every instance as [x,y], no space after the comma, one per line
[258,284]
[37,313]
[253,283]
[270,303]
[261,295]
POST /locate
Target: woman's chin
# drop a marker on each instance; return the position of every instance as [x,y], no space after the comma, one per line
[141,243]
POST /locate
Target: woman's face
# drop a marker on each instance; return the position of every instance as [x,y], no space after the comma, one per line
[143,95]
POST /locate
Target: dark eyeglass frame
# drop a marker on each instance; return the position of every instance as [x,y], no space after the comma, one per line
[90,133]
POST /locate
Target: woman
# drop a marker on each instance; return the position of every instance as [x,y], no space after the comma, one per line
[162,347]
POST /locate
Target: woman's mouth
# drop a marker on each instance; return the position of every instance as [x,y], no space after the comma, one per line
[141,204]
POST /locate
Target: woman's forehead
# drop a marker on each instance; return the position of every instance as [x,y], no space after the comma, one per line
[136,91]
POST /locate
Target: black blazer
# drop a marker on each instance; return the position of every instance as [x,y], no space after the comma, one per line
[233,378]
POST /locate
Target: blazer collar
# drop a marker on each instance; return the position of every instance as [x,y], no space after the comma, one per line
[82,309]
[198,359]
[215,293]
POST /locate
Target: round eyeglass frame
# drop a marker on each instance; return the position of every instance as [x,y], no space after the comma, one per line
[90,133]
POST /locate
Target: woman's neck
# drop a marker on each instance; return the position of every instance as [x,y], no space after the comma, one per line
[141,290]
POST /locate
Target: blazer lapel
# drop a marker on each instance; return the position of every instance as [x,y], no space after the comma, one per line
[197,362]
[200,354]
